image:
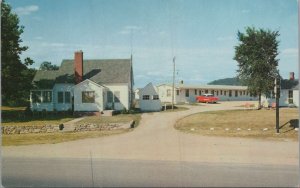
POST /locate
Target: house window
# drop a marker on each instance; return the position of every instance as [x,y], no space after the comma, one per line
[187,93]
[230,93]
[60,97]
[195,91]
[155,97]
[36,96]
[67,97]
[290,96]
[168,93]
[117,96]
[146,97]
[236,93]
[88,97]
[221,92]
[47,96]
[206,91]
[109,97]
[177,92]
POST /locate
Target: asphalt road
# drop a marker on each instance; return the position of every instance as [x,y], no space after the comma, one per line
[70,172]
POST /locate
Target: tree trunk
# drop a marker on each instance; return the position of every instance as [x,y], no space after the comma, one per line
[259,101]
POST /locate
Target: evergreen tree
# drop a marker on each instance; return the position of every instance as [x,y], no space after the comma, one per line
[15,75]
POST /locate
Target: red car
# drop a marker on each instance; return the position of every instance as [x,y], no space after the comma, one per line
[207,98]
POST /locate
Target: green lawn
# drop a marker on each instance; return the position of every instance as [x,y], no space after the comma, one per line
[235,123]
[16,116]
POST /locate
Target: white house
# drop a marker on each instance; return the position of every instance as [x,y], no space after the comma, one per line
[187,93]
[149,98]
[84,86]
[289,95]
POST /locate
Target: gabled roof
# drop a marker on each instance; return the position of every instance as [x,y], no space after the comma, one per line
[104,71]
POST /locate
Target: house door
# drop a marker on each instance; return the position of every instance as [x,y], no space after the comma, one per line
[72,103]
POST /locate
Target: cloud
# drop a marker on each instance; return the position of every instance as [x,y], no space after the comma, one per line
[128,29]
[26,10]
[290,52]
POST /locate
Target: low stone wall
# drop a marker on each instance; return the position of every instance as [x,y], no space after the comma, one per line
[103,126]
[6,130]
[29,129]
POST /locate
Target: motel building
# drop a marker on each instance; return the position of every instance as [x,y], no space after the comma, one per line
[184,93]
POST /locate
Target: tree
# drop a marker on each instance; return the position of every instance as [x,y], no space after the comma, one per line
[14,72]
[48,66]
[257,63]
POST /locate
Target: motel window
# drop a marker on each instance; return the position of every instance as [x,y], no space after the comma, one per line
[177,92]
[217,93]
[47,96]
[225,93]
[230,93]
[195,91]
[168,93]
[187,93]
[67,97]
[221,92]
[241,93]
[88,97]
[200,92]
[244,92]
[236,93]
[155,97]
[60,97]
[36,96]
[146,97]
[206,91]
[247,93]
[212,92]
[117,96]
[109,97]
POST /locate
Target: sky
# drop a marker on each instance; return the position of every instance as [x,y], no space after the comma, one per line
[201,34]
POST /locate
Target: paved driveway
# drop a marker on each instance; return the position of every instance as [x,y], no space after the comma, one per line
[156,139]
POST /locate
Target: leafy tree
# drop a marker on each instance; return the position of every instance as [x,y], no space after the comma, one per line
[15,77]
[48,66]
[256,57]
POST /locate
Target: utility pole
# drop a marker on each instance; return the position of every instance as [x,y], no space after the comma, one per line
[173,83]
[277,95]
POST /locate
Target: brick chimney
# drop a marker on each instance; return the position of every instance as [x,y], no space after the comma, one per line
[78,66]
[292,75]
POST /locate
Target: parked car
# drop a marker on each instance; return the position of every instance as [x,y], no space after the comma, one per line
[207,98]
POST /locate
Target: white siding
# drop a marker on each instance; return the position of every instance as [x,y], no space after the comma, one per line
[88,85]
[296,97]
[182,98]
[149,105]
[124,96]
[62,88]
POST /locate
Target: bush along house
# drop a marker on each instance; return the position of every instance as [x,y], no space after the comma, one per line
[84,86]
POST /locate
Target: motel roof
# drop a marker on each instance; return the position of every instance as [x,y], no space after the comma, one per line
[223,87]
